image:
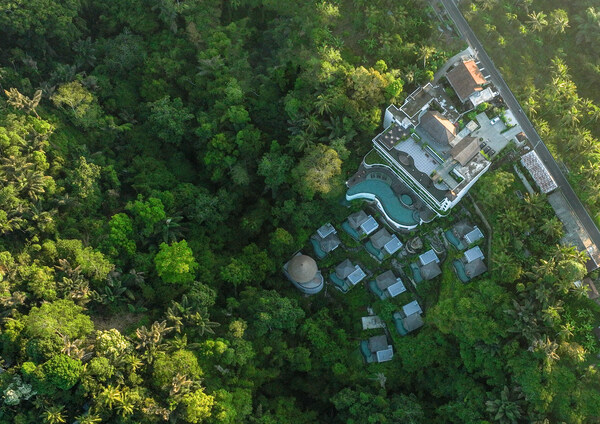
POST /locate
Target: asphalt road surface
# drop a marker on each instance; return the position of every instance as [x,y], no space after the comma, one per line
[528,129]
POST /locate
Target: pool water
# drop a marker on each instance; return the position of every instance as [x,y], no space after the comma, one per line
[390,202]
[452,239]
[416,272]
[406,199]
[460,270]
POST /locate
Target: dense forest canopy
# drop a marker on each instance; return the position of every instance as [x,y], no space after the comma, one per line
[161,159]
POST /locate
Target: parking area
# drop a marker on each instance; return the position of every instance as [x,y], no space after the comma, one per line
[491,138]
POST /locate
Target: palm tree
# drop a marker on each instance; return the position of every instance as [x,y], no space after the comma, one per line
[323,104]
[534,204]
[506,409]
[153,336]
[54,415]
[172,230]
[180,384]
[552,228]
[566,331]
[559,21]
[426,53]
[594,114]
[126,404]
[88,418]
[537,21]
[588,26]
[110,396]
[202,323]
[20,101]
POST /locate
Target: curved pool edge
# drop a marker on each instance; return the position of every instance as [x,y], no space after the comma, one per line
[372,197]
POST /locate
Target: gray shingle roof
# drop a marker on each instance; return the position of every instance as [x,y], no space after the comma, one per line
[465,150]
[438,127]
[431,270]
[475,268]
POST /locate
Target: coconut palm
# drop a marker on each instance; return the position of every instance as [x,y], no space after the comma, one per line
[54,415]
[588,26]
[537,21]
[559,21]
[110,396]
[506,408]
[426,53]
[88,418]
[20,101]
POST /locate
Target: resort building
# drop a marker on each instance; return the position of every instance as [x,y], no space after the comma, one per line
[463,234]
[427,267]
[532,162]
[387,285]
[425,160]
[325,240]
[468,83]
[347,275]
[303,272]
[439,163]
[382,244]
[471,265]
[408,323]
[360,225]
[377,349]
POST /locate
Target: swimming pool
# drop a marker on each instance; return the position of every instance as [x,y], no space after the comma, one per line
[460,270]
[416,272]
[452,239]
[406,199]
[394,209]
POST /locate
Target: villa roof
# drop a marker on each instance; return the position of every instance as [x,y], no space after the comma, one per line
[369,225]
[357,275]
[412,308]
[396,288]
[302,268]
[462,228]
[473,254]
[475,268]
[412,322]
[466,78]
[357,218]
[438,127]
[325,230]
[330,243]
[465,150]
[428,257]
[474,235]
[538,172]
[377,343]
[431,270]
[380,238]
[393,245]
[386,279]
[386,354]
[344,269]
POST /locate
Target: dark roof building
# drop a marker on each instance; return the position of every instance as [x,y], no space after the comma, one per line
[430,271]
[438,127]
[475,268]
[465,150]
[466,79]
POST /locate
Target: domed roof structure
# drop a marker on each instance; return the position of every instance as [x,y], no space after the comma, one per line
[302,268]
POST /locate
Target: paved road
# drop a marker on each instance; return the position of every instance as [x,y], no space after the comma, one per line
[526,125]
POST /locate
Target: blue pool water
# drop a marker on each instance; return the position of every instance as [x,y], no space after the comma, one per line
[390,202]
